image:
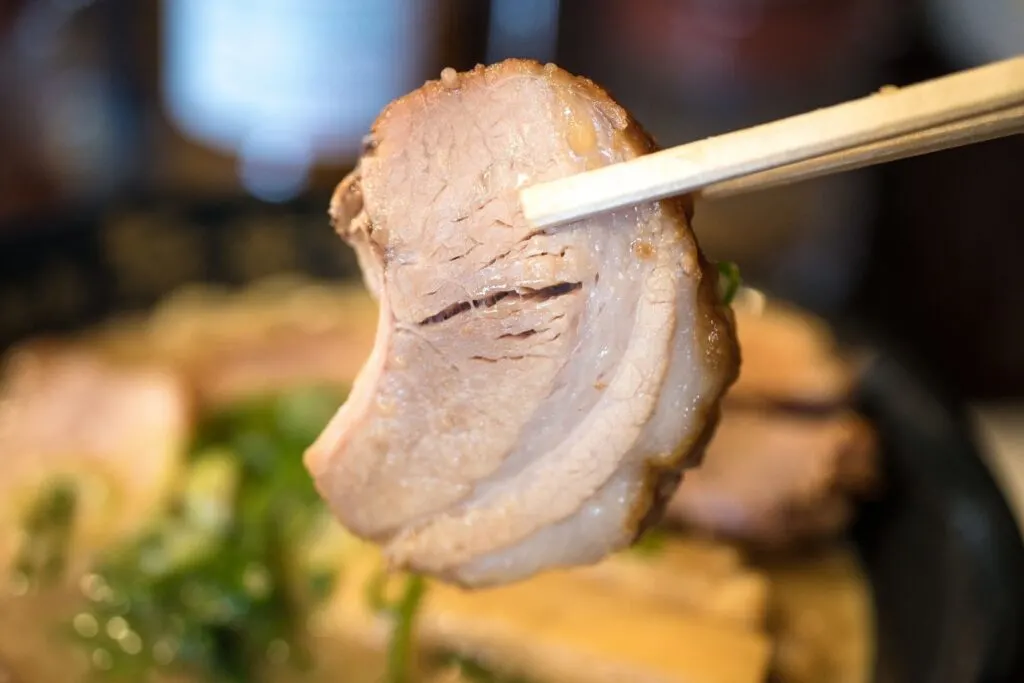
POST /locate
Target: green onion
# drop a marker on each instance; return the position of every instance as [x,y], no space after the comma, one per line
[221,586]
[210,489]
[47,528]
[651,543]
[403,615]
[729,281]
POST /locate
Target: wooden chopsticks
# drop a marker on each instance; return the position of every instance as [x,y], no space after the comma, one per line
[968,131]
[959,109]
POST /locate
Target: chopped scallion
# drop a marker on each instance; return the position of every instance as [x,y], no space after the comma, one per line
[729,281]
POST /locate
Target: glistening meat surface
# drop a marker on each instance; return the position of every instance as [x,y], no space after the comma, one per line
[532,395]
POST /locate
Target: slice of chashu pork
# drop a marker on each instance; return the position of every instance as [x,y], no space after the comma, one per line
[116,433]
[532,395]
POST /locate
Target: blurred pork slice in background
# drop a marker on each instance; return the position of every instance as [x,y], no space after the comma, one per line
[790,357]
[282,333]
[65,412]
[776,479]
[790,457]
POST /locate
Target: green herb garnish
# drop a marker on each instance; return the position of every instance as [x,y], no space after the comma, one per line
[729,281]
[651,543]
[400,654]
[219,588]
[403,611]
[46,535]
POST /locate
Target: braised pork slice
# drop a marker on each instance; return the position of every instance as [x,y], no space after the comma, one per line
[790,357]
[776,478]
[532,395]
[116,433]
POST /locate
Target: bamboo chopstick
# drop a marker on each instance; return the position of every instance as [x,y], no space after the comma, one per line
[966,132]
[832,138]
